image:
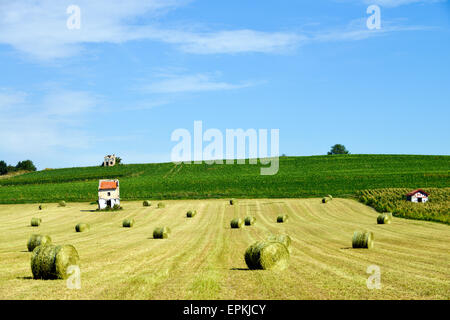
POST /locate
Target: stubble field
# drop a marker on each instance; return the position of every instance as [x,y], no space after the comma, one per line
[203,257]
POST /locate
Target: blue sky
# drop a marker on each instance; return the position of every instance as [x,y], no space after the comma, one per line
[137,70]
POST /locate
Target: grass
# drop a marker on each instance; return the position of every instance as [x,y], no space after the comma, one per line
[298,177]
[204,259]
[13,174]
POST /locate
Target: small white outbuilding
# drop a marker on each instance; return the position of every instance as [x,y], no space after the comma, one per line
[109,161]
[417,196]
[108,193]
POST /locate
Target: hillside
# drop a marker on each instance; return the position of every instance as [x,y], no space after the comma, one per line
[298,177]
[393,200]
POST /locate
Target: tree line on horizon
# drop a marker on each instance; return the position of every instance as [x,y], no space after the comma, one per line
[26,165]
[338,149]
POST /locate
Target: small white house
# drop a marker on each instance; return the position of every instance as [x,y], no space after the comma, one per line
[417,196]
[109,161]
[108,193]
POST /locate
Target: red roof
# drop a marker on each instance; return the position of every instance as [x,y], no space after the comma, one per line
[104,185]
[417,190]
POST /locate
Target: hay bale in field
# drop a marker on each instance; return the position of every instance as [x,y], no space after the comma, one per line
[389,214]
[249,221]
[267,255]
[62,203]
[191,213]
[41,207]
[283,238]
[161,233]
[36,222]
[362,240]
[161,205]
[326,199]
[51,261]
[282,218]
[232,202]
[82,227]
[384,219]
[38,240]
[146,203]
[128,223]
[237,223]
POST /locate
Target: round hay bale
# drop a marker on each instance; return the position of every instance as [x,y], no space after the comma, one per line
[36,222]
[282,218]
[38,240]
[41,207]
[51,261]
[383,219]
[362,240]
[161,205]
[128,223]
[283,238]
[82,227]
[267,255]
[325,199]
[389,214]
[232,202]
[161,233]
[62,203]
[249,221]
[191,213]
[146,203]
[237,223]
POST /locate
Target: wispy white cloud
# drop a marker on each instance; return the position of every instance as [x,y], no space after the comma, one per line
[192,83]
[55,121]
[390,3]
[357,30]
[38,28]
[9,99]
[397,3]
[235,41]
[67,104]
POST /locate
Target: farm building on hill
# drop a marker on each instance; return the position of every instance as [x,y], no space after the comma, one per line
[109,161]
[417,196]
[108,193]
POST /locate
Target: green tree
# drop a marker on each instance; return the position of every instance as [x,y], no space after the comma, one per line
[118,160]
[26,165]
[3,167]
[338,149]
[11,168]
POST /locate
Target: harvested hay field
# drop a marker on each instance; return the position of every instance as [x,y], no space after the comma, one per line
[204,258]
[82,227]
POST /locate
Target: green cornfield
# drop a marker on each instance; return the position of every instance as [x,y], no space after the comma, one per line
[298,177]
[394,200]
